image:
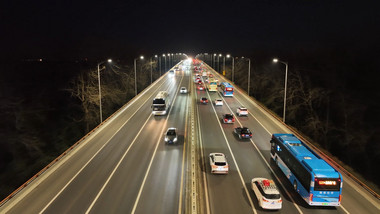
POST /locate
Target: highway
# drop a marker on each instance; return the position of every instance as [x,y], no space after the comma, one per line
[124,166]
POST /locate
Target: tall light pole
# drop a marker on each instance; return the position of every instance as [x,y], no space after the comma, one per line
[275,60]
[224,64]
[141,57]
[100,91]
[151,73]
[233,66]
[159,59]
[219,63]
[249,73]
[214,61]
[165,61]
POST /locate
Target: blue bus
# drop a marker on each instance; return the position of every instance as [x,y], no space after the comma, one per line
[227,89]
[318,183]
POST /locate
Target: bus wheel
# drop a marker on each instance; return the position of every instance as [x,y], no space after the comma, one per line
[295,185]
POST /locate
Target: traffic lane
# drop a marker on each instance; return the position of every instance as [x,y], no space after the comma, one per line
[121,192]
[271,124]
[152,120]
[250,163]
[355,202]
[71,166]
[165,174]
[226,192]
[78,196]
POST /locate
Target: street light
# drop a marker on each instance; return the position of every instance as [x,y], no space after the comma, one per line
[165,60]
[141,57]
[233,66]
[100,91]
[275,60]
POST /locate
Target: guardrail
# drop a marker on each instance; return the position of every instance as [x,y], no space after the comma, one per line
[299,135]
[10,196]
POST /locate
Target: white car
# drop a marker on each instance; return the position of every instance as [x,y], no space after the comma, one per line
[242,111]
[266,193]
[183,90]
[218,163]
[218,102]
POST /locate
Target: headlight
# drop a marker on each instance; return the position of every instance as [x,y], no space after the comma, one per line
[166,139]
[175,139]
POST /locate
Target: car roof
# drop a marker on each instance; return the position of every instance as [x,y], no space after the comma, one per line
[172,128]
[268,186]
[219,157]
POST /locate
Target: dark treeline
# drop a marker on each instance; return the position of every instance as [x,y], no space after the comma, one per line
[47,106]
[332,98]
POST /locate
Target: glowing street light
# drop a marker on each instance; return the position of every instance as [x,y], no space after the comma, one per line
[275,60]
[141,57]
[100,91]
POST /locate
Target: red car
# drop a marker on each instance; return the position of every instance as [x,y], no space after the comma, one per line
[201,87]
[204,100]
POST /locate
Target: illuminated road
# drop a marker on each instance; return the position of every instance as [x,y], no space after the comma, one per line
[125,166]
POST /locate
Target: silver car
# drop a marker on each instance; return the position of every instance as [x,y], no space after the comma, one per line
[171,136]
[183,90]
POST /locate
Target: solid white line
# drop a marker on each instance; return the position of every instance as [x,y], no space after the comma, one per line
[59,193]
[261,155]
[233,157]
[155,150]
[184,152]
[208,209]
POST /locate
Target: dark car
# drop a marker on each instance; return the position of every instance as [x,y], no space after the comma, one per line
[204,100]
[243,132]
[228,118]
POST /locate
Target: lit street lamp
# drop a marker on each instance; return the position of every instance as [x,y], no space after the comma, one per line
[275,60]
[165,60]
[141,57]
[100,91]
[233,66]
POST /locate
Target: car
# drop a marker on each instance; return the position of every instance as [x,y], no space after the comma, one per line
[201,87]
[228,118]
[218,163]
[218,102]
[204,100]
[266,193]
[206,80]
[243,132]
[183,90]
[242,111]
[210,75]
[200,82]
[171,135]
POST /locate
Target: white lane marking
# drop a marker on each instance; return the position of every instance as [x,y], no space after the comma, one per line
[118,164]
[203,161]
[59,193]
[233,157]
[344,209]
[155,150]
[261,155]
[184,151]
[23,193]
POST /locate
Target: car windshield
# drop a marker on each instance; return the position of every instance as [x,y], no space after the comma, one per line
[204,98]
[245,131]
[229,116]
[171,132]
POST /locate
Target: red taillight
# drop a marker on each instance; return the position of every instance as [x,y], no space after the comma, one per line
[233,119]
[250,135]
[340,198]
[311,198]
[242,134]
[225,120]
[265,200]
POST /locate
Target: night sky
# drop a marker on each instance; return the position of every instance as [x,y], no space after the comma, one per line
[72,29]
